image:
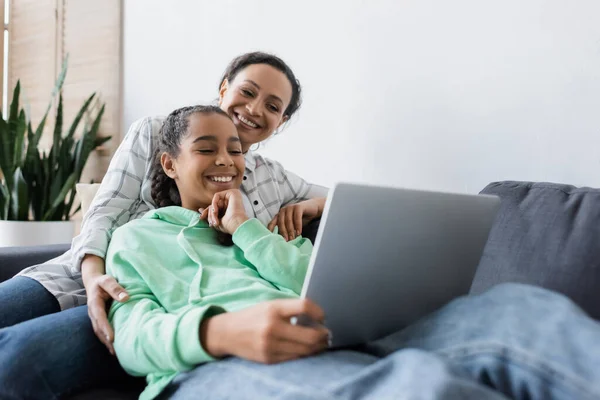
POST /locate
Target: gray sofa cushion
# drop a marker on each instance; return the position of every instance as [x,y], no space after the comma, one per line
[547,235]
[15,259]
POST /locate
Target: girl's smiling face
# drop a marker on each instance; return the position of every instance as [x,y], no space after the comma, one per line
[210,160]
[256,100]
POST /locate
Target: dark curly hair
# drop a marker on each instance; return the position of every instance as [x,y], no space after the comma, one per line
[259,57]
[164,189]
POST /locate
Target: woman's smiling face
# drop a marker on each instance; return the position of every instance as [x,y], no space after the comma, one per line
[256,100]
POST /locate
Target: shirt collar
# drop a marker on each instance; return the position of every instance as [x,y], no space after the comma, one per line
[250,161]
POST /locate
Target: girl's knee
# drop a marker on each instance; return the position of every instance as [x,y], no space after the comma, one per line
[528,298]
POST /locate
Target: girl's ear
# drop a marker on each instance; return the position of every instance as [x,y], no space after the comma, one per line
[168,165]
[223,90]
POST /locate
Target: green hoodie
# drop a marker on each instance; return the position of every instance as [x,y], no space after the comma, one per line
[176,274]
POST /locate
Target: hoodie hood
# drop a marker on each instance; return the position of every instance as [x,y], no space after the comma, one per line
[177,216]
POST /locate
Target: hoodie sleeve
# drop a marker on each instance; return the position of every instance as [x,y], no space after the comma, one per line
[148,338]
[282,263]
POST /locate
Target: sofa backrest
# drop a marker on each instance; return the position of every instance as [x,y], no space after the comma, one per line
[546,235]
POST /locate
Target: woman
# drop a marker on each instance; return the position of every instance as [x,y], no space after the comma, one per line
[260,93]
[202,301]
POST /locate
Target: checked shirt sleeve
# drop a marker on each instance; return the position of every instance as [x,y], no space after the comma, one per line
[118,195]
[293,188]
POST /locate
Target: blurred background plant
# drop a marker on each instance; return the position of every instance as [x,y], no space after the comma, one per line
[39,185]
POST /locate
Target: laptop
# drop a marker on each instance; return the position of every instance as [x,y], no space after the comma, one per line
[385,257]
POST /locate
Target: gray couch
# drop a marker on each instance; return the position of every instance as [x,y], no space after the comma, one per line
[545,234]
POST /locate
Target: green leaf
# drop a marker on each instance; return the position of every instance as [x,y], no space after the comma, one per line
[57,180]
[14,106]
[4,202]
[56,142]
[5,156]
[29,135]
[101,140]
[79,116]
[45,172]
[61,77]
[60,199]
[20,197]
[70,206]
[57,88]
[27,171]
[58,213]
[66,160]
[34,137]
[88,143]
[19,151]
[36,189]
[13,129]
[9,139]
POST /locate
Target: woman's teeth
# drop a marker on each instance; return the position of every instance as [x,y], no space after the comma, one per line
[221,178]
[247,122]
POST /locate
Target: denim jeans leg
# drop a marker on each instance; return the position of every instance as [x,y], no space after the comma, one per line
[524,341]
[409,374]
[22,299]
[234,378]
[54,356]
[412,374]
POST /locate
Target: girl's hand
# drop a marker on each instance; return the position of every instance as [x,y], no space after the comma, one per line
[226,213]
[100,288]
[290,219]
[263,333]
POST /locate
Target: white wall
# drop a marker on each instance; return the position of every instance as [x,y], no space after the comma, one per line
[432,94]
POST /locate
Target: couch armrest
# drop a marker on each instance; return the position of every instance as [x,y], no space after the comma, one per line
[15,259]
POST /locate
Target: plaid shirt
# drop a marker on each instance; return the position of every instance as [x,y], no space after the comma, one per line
[124,195]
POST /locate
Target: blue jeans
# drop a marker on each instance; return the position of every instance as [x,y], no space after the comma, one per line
[514,341]
[47,354]
[22,299]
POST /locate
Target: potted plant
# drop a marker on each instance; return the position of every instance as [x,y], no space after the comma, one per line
[37,189]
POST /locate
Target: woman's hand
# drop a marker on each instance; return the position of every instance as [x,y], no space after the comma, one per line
[290,219]
[100,288]
[226,213]
[263,333]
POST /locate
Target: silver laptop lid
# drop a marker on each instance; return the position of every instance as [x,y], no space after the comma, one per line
[385,257]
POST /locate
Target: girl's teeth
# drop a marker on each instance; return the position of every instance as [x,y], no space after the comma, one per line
[247,122]
[221,178]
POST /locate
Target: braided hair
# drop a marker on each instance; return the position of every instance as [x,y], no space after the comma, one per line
[164,190]
[259,57]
